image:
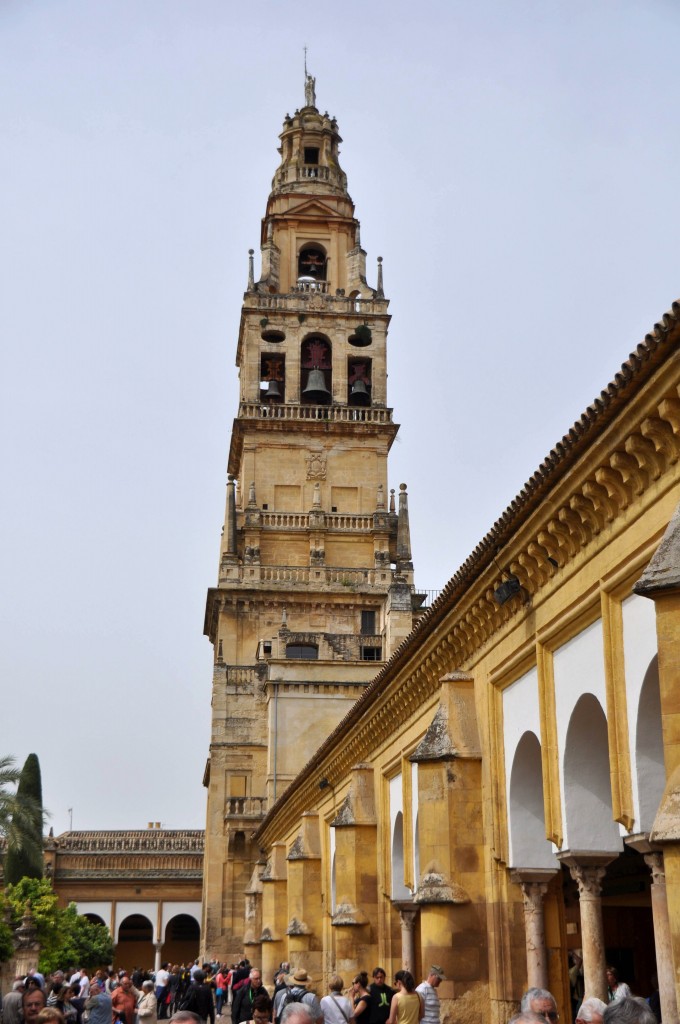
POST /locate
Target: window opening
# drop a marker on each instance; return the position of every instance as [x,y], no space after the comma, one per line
[302,652]
[368,622]
[316,371]
[359,382]
[371,653]
[311,154]
[272,378]
[312,263]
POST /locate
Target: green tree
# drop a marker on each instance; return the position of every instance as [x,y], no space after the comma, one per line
[81,942]
[25,860]
[21,816]
[6,940]
[38,894]
[66,938]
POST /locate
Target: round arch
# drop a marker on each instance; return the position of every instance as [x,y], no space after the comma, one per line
[589,820]
[651,772]
[95,919]
[134,944]
[529,847]
[135,927]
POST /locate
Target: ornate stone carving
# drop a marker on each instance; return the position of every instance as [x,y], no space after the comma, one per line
[435,888]
[316,465]
[654,862]
[348,914]
[589,880]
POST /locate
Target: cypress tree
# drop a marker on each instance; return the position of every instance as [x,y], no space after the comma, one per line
[24,857]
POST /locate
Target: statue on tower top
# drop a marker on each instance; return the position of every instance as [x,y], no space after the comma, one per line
[310,86]
[310,90]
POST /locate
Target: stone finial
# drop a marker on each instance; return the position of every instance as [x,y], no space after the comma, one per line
[392,504]
[252,503]
[379,290]
[357,236]
[403,531]
[380,502]
[231,517]
[316,500]
[251,269]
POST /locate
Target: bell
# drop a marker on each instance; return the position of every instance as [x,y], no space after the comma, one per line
[273,392]
[316,390]
[359,393]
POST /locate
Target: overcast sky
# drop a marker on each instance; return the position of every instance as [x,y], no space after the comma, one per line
[515,164]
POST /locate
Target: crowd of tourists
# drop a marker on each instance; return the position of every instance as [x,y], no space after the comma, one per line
[211,992]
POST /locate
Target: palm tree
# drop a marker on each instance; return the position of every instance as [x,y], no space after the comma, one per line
[19,813]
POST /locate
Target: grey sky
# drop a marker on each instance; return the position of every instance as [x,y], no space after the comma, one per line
[516,165]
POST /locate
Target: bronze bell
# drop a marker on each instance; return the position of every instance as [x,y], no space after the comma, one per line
[359,393]
[273,392]
[315,390]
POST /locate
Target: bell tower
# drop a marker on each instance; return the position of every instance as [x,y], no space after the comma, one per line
[315,580]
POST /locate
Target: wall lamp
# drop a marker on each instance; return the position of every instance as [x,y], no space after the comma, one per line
[507,589]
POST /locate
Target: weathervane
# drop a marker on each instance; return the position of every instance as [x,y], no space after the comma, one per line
[310,85]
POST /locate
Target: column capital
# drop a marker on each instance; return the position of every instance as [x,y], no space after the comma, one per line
[408,912]
[534,885]
[654,862]
[587,870]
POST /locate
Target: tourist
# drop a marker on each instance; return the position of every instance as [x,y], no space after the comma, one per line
[542,1002]
[381,998]
[124,1001]
[629,1010]
[616,989]
[361,997]
[242,1008]
[262,1009]
[33,1001]
[221,986]
[407,1005]
[98,1006]
[590,1011]
[147,1007]
[428,990]
[336,1008]
[298,990]
[11,1004]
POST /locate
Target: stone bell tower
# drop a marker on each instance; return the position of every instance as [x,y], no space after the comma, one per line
[315,579]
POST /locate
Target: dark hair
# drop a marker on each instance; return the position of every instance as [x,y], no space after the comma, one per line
[199,977]
[407,980]
[379,970]
[262,1003]
[361,979]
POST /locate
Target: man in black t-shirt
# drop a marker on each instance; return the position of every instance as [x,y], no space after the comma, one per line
[381,997]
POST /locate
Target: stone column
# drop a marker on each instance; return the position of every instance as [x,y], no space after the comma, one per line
[588,870]
[408,913]
[662,937]
[157,958]
[534,886]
